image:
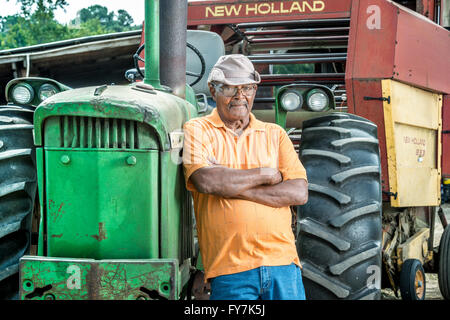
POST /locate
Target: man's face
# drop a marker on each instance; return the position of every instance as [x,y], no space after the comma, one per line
[233,102]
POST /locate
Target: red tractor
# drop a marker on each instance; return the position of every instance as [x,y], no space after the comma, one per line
[362,87]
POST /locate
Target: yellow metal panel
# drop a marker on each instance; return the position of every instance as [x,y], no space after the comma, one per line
[415,247]
[418,187]
[413,122]
[414,146]
[414,106]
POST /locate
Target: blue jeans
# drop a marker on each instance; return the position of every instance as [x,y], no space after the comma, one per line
[263,283]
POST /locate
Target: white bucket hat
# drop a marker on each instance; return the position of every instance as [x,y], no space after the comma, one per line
[234,70]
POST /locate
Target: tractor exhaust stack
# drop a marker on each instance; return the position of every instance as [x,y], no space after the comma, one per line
[173,25]
[151,30]
[165,44]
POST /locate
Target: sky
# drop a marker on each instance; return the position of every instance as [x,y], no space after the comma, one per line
[134,7]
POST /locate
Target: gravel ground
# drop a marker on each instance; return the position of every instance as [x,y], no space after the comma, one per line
[432,290]
[432,286]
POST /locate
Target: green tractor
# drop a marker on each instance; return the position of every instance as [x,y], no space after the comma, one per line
[111,218]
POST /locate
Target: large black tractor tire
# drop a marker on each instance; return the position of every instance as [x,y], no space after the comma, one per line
[339,241]
[17,193]
[444,264]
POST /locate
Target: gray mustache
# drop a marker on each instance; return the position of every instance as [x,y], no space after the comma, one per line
[238,103]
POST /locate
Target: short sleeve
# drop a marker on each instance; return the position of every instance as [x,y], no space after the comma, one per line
[195,151]
[288,161]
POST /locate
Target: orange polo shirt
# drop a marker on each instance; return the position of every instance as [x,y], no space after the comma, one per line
[237,235]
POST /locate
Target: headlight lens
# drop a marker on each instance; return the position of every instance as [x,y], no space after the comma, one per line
[46,91]
[23,93]
[317,100]
[291,100]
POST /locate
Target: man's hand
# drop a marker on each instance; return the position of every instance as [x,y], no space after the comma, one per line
[230,183]
[273,175]
[287,193]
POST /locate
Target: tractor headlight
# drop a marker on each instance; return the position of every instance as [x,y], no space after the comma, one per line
[317,100]
[46,91]
[22,93]
[291,100]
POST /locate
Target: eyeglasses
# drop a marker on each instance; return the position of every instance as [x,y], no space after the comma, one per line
[229,92]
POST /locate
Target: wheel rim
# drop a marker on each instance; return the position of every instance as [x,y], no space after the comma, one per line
[419,281]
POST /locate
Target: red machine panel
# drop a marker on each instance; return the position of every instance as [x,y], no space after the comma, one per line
[238,11]
[422,52]
[371,44]
[391,41]
[388,41]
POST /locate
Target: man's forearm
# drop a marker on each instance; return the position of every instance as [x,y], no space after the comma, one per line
[228,183]
[286,193]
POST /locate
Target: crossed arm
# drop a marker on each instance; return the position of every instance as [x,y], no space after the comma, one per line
[261,185]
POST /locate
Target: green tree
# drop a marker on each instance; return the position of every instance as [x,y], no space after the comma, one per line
[40,6]
[88,28]
[109,21]
[13,34]
[96,12]
[124,19]
[35,23]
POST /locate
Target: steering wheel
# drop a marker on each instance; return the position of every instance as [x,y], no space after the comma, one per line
[198,76]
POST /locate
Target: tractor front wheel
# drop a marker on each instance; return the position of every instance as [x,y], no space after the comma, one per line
[17,193]
[339,242]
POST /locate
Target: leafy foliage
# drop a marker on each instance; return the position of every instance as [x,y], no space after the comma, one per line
[36,24]
[97,19]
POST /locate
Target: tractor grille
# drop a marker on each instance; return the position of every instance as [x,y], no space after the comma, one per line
[186,228]
[90,132]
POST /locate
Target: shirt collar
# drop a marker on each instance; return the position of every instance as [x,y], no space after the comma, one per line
[214,119]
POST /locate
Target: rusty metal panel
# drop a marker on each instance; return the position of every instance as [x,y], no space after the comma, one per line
[44,278]
[232,11]
[446,136]
[413,127]
[422,52]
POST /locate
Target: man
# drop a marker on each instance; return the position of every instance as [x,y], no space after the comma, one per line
[244,174]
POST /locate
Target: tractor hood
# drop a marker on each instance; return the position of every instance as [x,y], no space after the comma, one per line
[139,102]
